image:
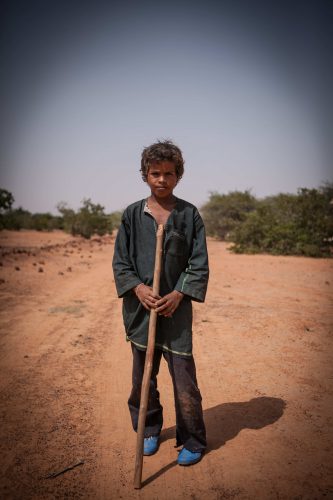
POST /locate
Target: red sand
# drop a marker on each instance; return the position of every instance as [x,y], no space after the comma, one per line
[262,342]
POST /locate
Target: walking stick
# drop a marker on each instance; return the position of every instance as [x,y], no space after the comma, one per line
[148,362]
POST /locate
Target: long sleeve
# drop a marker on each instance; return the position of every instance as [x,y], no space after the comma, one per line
[194,280]
[123,270]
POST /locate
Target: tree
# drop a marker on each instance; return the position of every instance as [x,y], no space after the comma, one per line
[46,222]
[88,220]
[115,219]
[16,219]
[289,224]
[224,212]
[6,200]
[68,216]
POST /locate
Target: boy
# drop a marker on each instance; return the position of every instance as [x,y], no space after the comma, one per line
[184,278]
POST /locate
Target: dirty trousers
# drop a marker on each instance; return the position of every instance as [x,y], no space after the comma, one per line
[190,427]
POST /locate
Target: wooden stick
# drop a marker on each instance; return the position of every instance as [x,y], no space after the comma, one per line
[148,362]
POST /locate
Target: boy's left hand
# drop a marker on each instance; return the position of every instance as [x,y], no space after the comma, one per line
[167,305]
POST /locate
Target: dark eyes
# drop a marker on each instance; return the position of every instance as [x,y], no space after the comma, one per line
[157,174]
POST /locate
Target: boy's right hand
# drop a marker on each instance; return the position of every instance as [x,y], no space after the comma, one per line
[146,296]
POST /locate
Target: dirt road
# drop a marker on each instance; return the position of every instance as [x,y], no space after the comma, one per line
[263,348]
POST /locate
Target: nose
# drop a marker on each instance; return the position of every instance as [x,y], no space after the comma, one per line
[162,180]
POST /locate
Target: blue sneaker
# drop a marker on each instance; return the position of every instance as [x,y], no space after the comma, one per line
[187,457]
[150,445]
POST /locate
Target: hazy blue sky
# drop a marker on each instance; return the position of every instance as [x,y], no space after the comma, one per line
[243,87]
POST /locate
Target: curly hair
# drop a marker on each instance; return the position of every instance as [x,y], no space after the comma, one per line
[162,151]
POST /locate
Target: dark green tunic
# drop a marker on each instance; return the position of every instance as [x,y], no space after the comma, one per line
[184,268]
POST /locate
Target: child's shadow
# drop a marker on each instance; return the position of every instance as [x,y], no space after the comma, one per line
[225,421]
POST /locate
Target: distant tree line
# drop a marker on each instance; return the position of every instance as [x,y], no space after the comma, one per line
[285,224]
[89,219]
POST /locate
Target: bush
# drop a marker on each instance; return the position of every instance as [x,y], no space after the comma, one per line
[46,222]
[68,216]
[115,219]
[289,224]
[22,219]
[224,212]
[19,218]
[6,200]
[88,220]
[16,219]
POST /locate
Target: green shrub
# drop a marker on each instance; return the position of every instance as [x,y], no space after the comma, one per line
[6,200]
[289,224]
[88,220]
[46,222]
[16,219]
[115,219]
[224,212]
[19,218]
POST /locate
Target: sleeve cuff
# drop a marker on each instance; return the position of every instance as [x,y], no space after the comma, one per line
[189,290]
[123,290]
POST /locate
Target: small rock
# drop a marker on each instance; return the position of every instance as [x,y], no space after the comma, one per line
[61,273]
[34,263]
[26,356]
[17,268]
[327,282]
[41,262]
[2,281]
[1,264]
[69,269]
[40,270]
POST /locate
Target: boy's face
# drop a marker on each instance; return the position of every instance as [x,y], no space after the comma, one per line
[162,179]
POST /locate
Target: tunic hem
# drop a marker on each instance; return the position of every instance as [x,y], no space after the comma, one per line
[163,347]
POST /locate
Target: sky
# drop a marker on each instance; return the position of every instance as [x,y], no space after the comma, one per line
[243,88]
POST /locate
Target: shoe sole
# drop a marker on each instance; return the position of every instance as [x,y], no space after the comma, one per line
[148,454]
[151,453]
[184,464]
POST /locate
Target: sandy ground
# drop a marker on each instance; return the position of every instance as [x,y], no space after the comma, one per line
[263,349]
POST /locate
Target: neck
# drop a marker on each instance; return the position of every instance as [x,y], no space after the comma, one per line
[163,202]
